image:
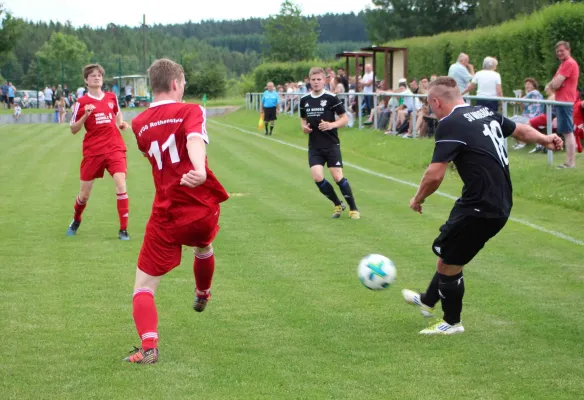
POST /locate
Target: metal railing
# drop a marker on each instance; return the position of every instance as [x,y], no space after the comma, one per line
[252,102]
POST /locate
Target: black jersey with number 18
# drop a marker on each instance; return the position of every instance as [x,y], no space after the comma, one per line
[474,139]
[315,109]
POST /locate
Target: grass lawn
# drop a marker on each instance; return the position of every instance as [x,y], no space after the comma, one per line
[288,318]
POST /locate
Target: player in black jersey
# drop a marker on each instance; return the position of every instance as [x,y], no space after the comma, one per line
[317,110]
[474,139]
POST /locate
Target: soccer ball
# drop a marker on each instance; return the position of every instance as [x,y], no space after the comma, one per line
[376,272]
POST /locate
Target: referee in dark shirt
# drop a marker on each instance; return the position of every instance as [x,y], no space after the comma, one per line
[474,139]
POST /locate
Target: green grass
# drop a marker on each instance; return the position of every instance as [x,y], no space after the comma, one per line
[288,318]
[231,101]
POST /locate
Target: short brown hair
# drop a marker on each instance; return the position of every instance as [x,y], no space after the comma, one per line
[443,81]
[88,69]
[162,72]
[316,70]
[532,81]
[563,43]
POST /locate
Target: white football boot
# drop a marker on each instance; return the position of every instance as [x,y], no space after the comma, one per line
[443,328]
[414,299]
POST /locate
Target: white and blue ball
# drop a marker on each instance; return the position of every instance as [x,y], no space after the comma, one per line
[376,272]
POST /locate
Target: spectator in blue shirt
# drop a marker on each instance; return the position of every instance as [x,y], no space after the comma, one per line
[269,106]
[10,94]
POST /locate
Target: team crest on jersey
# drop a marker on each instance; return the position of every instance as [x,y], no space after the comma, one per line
[110,104]
[323,103]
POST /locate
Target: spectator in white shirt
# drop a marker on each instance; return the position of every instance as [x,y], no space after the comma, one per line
[48,97]
[488,84]
[368,82]
[128,92]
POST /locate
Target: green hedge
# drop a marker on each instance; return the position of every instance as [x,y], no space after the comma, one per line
[524,47]
[281,73]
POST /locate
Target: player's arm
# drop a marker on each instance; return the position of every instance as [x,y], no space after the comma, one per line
[197,149]
[123,125]
[304,125]
[431,181]
[303,115]
[77,125]
[527,134]
[339,123]
[197,140]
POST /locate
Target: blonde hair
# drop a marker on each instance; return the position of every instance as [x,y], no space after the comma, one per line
[162,72]
[316,70]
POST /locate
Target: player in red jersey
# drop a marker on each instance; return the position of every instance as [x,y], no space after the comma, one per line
[186,207]
[103,146]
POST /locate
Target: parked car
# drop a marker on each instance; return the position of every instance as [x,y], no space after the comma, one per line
[26,98]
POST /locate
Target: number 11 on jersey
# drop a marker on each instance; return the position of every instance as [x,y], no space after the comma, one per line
[169,145]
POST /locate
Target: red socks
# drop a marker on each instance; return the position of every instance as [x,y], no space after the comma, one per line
[204,268]
[78,209]
[145,317]
[123,210]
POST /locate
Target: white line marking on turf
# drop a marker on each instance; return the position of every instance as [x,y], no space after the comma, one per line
[391,178]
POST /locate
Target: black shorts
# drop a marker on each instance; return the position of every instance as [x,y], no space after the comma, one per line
[128,98]
[331,156]
[462,237]
[270,114]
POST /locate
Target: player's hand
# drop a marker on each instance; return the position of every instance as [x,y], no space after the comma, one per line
[554,142]
[306,129]
[89,109]
[123,126]
[415,205]
[325,126]
[193,178]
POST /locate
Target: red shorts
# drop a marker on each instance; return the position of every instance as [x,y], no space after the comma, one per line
[94,167]
[162,247]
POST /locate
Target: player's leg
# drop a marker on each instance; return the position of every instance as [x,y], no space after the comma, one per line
[273,119]
[335,164]
[117,167]
[316,162]
[203,268]
[80,204]
[123,204]
[159,255]
[200,235]
[145,318]
[450,288]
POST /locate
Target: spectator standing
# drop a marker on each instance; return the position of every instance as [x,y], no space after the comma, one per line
[462,71]
[565,84]
[488,84]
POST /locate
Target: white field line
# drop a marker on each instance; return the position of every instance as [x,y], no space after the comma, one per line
[559,235]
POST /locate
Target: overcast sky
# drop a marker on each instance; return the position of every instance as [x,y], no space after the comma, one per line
[125,12]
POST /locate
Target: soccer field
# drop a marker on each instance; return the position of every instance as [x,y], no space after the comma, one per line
[288,318]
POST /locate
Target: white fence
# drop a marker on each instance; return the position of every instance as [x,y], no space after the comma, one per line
[252,102]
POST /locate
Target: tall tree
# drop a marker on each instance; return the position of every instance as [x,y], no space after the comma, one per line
[290,37]
[60,60]
[395,19]
[10,30]
[493,12]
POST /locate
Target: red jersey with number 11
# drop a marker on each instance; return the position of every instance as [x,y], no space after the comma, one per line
[162,132]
